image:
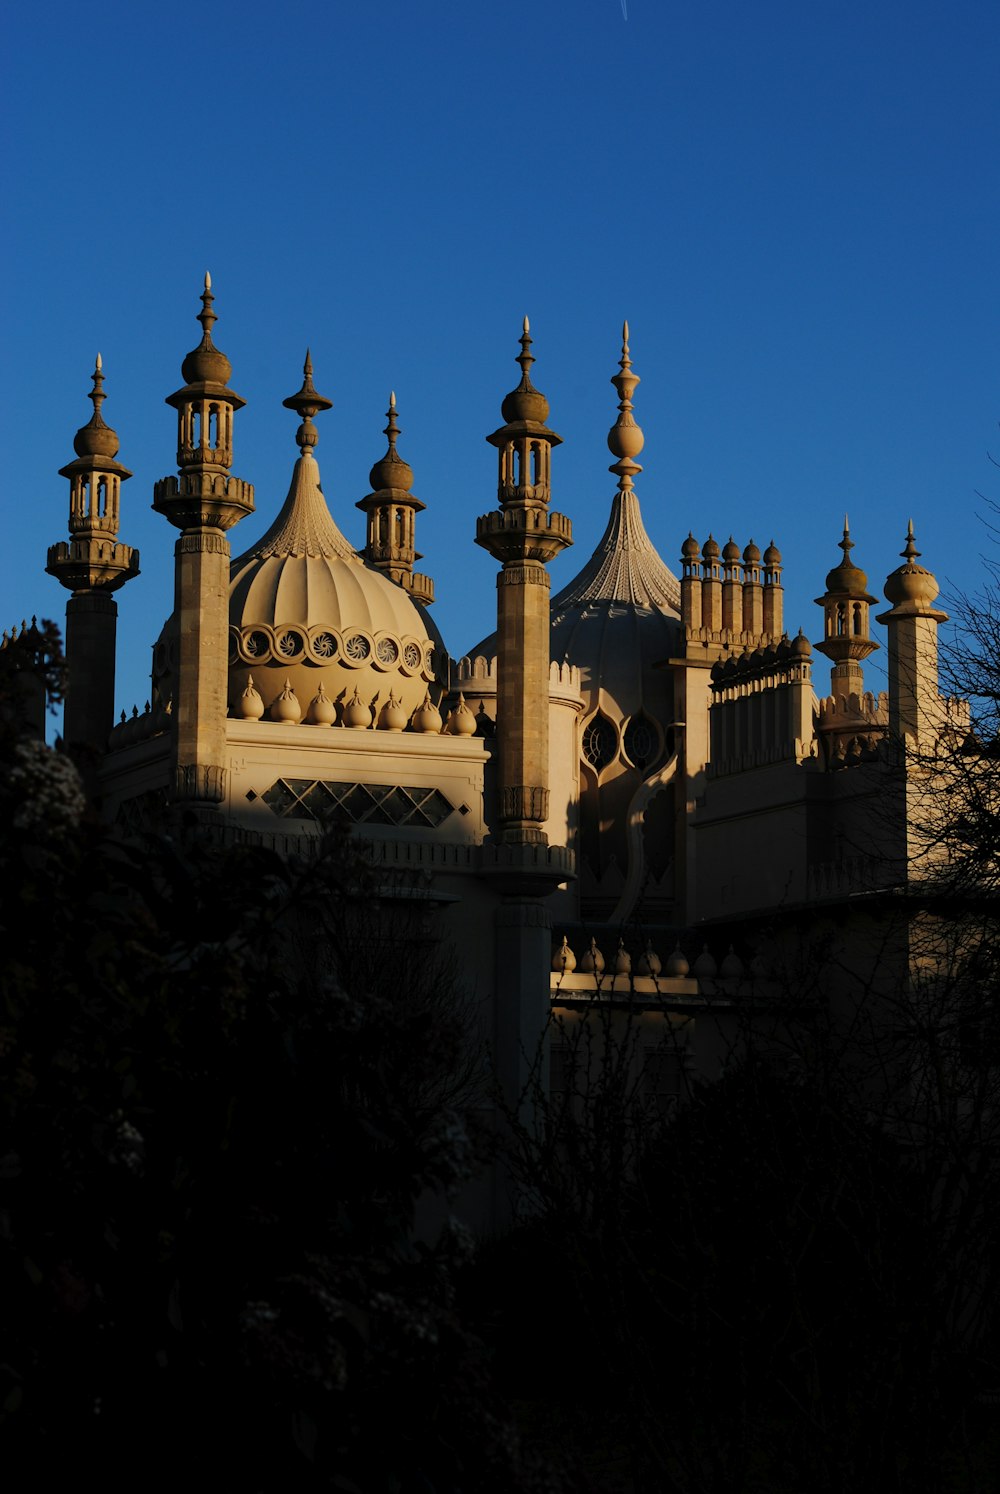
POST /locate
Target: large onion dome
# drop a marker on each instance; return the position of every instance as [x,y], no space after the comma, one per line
[305,608]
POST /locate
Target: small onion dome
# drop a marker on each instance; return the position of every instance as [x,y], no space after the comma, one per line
[911,585]
[322,710]
[564,960]
[592,962]
[677,965]
[206,365]
[847,579]
[623,960]
[758,967]
[731,550]
[392,716]
[391,471]
[525,402]
[285,707]
[649,961]
[800,646]
[427,717]
[461,722]
[751,555]
[705,965]
[710,549]
[250,706]
[690,550]
[96,438]
[772,555]
[357,715]
[732,966]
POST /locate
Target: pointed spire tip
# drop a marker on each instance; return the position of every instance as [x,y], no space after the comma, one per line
[208,281]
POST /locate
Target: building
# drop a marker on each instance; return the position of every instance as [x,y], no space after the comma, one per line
[618,789]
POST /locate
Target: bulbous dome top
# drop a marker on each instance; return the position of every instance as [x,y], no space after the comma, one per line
[911,585]
[730,550]
[847,579]
[772,555]
[205,363]
[525,402]
[96,438]
[710,549]
[391,471]
[690,549]
[751,555]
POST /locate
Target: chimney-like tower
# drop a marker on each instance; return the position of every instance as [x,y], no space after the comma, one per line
[203,501]
[92,566]
[524,536]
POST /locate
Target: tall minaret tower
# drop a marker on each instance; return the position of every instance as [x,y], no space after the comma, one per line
[92,566]
[203,501]
[391,509]
[524,536]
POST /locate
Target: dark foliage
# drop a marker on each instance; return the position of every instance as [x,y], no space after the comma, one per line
[224,1087]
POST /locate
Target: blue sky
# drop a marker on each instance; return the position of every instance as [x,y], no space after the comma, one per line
[794,204]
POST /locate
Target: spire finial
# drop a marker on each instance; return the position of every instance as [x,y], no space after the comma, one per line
[846,544]
[206,315]
[625,438]
[307,403]
[97,394]
[392,429]
[524,357]
[910,551]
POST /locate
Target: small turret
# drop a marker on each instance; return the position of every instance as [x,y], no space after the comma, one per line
[391,510]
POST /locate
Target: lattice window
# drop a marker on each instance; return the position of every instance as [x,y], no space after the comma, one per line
[600,742]
[361,803]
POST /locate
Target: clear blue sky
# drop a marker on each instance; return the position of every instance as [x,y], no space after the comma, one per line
[796,205]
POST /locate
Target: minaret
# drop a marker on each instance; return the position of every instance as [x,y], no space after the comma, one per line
[391,509]
[914,703]
[846,639]
[203,501]
[524,536]
[91,566]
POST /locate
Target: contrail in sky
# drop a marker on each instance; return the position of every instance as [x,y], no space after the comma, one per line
[625,9]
